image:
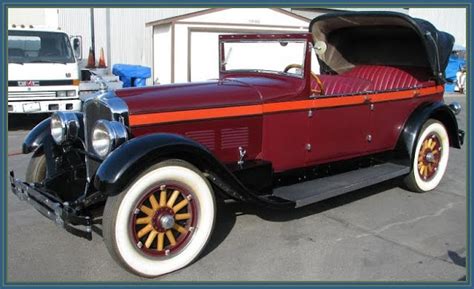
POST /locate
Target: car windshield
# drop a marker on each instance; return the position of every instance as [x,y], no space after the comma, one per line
[39,47]
[272,56]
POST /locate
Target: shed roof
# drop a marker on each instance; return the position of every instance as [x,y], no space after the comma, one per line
[214,10]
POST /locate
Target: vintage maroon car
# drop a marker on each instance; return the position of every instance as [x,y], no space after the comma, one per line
[269,131]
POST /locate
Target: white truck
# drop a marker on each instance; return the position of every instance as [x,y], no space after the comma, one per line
[43,70]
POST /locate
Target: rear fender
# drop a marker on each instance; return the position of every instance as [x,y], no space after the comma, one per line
[406,144]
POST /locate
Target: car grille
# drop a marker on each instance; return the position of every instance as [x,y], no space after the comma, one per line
[93,111]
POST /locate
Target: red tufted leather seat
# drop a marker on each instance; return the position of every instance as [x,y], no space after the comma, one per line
[340,85]
[373,78]
[389,77]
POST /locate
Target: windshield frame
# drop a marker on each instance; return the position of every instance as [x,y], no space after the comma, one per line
[64,59]
[222,56]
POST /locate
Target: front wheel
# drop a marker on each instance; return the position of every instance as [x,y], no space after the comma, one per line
[36,170]
[162,221]
[431,158]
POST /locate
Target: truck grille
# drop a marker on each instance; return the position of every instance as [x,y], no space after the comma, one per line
[31,94]
[93,111]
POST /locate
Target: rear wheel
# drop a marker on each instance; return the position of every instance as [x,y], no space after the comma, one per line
[431,158]
[162,221]
[36,170]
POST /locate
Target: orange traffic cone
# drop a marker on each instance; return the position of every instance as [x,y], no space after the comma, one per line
[91,59]
[102,59]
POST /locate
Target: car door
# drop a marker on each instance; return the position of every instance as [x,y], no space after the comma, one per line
[284,139]
[338,128]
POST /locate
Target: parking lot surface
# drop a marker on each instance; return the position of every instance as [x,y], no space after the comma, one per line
[381,233]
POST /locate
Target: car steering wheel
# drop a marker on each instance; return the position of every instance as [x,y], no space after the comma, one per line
[316,78]
[291,66]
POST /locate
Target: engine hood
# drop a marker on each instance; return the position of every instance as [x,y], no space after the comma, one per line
[188,96]
[230,91]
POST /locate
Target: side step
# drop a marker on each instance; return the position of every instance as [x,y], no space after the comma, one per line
[324,188]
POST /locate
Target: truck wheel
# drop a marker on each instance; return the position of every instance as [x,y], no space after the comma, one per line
[431,158]
[162,221]
[36,170]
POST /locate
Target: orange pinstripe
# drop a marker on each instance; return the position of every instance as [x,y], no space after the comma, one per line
[247,110]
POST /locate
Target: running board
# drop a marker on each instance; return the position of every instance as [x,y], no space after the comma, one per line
[327,187]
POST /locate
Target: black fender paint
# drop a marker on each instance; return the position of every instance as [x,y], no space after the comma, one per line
[406,144]
[119,169]
[37,136]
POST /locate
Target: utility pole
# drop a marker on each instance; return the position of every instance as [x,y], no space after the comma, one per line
[92,32]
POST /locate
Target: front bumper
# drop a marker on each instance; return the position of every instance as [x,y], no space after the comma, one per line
[44,106]
[61,213]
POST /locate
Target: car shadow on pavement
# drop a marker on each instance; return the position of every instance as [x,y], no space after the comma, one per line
[316,208]
[228,212]
[225,221]
[25,122]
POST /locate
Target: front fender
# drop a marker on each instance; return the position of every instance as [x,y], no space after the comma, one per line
[36,137]
[437,110]
[134,156]
[119,169]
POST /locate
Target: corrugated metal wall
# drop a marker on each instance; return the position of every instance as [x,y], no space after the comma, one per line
[129,40]
[452,20]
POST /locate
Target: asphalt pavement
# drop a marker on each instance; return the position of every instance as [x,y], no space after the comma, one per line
[381,233]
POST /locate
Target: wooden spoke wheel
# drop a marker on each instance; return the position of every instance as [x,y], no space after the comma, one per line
[162,221]
[430,158]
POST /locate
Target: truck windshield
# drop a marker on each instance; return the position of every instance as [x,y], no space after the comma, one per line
[38,47]
[280,57]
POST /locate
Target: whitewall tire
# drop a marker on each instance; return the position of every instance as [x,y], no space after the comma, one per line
[162,221]
[431,158]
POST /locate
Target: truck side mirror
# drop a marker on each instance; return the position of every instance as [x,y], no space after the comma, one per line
[77,46]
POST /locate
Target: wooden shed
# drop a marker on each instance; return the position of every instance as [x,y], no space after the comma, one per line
[185,48]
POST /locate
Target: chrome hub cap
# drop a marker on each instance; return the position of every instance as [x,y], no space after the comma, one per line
[167,222]
[430,157]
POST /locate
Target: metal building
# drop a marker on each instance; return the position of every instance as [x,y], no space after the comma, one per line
[121,32]
[125,38]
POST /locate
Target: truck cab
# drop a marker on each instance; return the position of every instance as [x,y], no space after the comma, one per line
[43,73]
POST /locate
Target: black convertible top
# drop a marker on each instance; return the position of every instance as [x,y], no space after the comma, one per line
[382,38]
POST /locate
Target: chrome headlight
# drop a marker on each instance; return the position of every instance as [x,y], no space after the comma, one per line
[64,126]
[107,135]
